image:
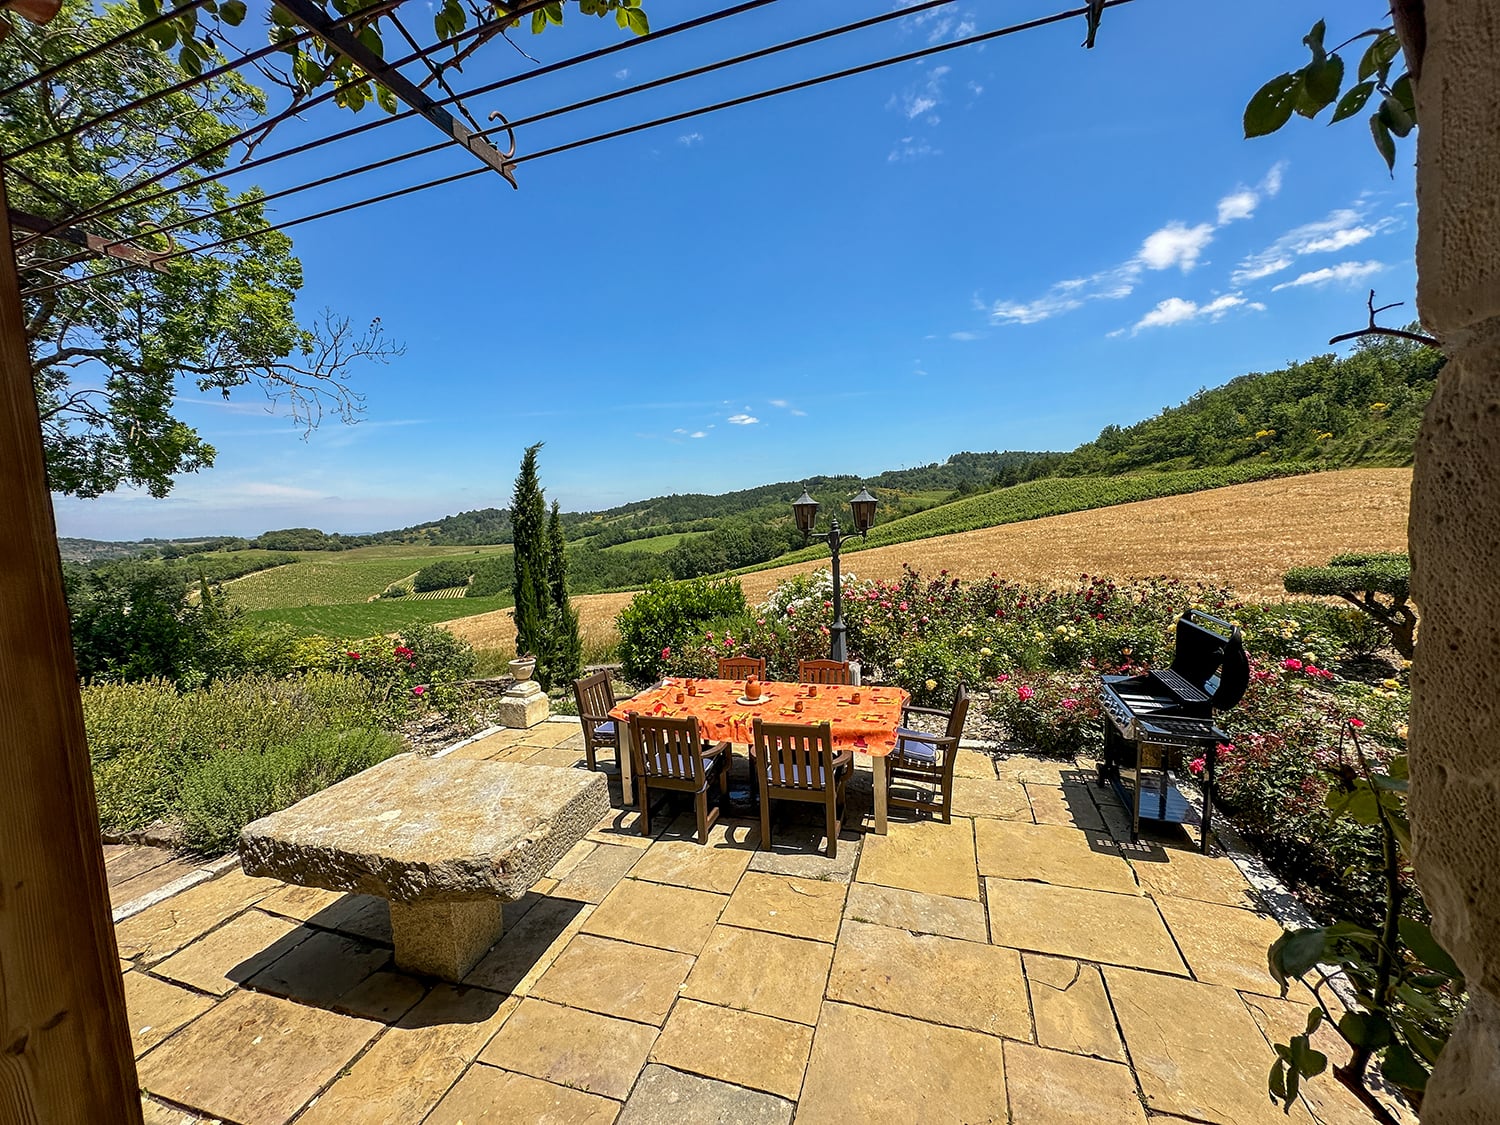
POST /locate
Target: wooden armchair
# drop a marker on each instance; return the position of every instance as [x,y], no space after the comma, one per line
[927,759]
[669,754]
[823,671]
[596,699]
[796,762]
[742,668]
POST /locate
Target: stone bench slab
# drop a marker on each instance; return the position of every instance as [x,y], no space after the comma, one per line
[416,830]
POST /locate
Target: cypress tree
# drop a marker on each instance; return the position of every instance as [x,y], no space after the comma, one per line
[532,591]
[567,645]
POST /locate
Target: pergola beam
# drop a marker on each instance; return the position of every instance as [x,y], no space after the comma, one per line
[125,251]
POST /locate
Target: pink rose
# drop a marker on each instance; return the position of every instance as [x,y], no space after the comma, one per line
[418,690]
[1024,693]
[1069,704]
[666,653]
[1197,765]
[1357,724]
[1292,664]
[1002,677]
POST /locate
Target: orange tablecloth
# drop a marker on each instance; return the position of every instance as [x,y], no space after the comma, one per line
[868,726]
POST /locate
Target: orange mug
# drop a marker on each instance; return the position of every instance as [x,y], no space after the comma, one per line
[797,706]
[681,697]
[692,688]
[812,690]
[855,697]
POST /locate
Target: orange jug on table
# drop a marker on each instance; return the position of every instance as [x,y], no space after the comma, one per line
[752,688]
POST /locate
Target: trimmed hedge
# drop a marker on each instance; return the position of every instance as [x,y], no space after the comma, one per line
[1352,575]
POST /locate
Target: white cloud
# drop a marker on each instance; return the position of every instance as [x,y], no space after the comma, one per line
[1175,244]
[1340,229]
[781,402]
[923,97]
[623,73]
[965,337]
[688,140]
[1272,183]
[1237,205]
[938,24]
[697,434]
[1178,310]
[1343,273]
[1032,312]
[742,420]
[679,430]
[911,148]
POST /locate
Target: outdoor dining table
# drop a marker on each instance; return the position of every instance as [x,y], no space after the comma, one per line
[863,719]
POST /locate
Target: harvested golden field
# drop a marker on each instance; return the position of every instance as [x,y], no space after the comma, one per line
[1245,537]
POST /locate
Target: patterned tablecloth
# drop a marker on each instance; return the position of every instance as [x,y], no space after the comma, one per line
[868,726]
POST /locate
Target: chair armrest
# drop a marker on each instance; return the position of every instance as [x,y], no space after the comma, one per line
[938,711]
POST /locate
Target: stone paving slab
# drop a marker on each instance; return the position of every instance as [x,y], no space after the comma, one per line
[668,1097]
[1070,1008]
[156,1009]
[322,969]
[1178,873]
[225,958]
[805,908]
[383,996]
[715,866]
[127,890]
[1052,853]
[797,849]
[598,874]
[527,949]
[254,1059]
[974,763]
[1195,1049]
[675,918]
[1087,925]
[1225,945]
[1056,1088]
[1002,799]
[499,1097]
[577,1049]
[1330,1101]
[926,856]
[869,1066]
[412,1065]
[939,979]
[160,930]
[762,972]
[920,913]
[743,1048]
[1071,805]
[614,978]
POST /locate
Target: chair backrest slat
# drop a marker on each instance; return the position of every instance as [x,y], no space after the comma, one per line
[795,755]
[742,667]
[669,748]
[823,671]
[959,714]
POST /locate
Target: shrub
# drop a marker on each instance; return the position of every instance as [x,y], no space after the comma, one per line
[492,576]
[1362,580]
[666,614]
[442,575]
[235,785]
[1055,714]
[422,668]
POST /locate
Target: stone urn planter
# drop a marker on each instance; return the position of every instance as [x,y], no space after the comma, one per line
[522,667]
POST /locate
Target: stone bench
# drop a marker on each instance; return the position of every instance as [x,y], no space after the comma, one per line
[446,842]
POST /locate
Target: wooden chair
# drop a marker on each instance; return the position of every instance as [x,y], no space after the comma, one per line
[596,699]
[742,668]
[927,759]
[796,762]
[823,671]
[669,754]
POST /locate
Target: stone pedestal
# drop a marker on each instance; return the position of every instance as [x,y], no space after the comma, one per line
[523,705]
[444,939]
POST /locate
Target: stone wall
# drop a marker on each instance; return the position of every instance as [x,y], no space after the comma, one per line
[1455,538]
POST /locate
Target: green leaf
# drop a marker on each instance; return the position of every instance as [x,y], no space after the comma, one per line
[1278,1083]
[1379,54]
[1294,953]
[1426,1047]
[232,12]
[1401,90]
[638,21]
[1424,946]
[386,99]
[1401,1067]
[554,13]
[188,59]
[1272,105]
[1353,101]
[149,8]
[538,22]
[1394,114]
[1320,85]
[1365,1029]
[370,38]
[1357,802]
[1383,142]
[1314,40]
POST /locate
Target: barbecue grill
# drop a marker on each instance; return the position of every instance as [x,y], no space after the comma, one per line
[1157,720]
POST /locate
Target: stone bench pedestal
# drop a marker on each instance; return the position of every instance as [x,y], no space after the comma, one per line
[446,842]
[523,705]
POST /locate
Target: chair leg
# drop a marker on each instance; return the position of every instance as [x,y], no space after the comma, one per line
[831,818]
[700,806]
[588,752]
[643,802]
[765,821]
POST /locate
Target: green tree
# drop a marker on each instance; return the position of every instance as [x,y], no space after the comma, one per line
[1363,581]
[567,645]
[110,354]
[531,587]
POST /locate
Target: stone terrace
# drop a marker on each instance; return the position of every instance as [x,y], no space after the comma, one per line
[1018,965]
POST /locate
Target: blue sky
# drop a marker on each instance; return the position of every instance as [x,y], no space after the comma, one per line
[1005,247]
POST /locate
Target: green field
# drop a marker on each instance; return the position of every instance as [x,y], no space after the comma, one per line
[1051,496]
[339,578]
[657,544]
[366,619]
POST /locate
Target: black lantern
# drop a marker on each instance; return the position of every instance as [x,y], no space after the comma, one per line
[864,511]
[805,509]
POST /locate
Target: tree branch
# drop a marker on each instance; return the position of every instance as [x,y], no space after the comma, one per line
[1375,329]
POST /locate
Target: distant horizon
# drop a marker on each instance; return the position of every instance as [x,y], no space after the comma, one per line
[872,274]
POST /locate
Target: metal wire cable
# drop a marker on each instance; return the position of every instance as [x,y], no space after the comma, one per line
[586,103]
[110,207]
[848,72]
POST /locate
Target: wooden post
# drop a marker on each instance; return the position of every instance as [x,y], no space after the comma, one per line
[65,1053]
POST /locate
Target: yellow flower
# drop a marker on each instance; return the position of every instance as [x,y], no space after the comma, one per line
[1061,629]
[1310,657]
[1392,684]
[985,652]
[1406,664]
[1401,732]
[932,685]
[900,663]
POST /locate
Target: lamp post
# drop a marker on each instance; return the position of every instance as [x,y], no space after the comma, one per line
[805,509]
